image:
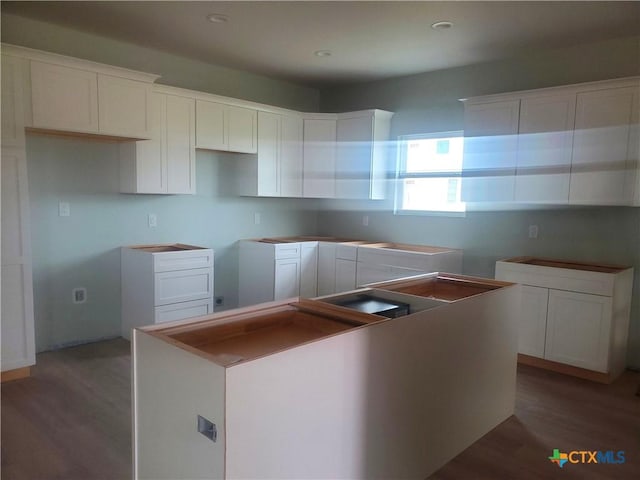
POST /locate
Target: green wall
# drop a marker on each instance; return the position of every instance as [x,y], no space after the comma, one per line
[429,102]
[82,250]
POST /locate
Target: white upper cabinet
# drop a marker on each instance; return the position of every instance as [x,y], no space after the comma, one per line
[319,154]
[226,127]
[73,99]
[603,148]
[361,157]
[242,128]
[276,171]
[575,144]
[123,107]
[64,98]
[166,163]
[210,126]
[180,145]
[490,146]
[544,148]
[291,155]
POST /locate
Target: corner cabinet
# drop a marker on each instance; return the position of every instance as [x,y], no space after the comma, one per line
[362,165]
[575,144]
[166,163]
[572,315]
[18,339]
[276,170]
[319,157]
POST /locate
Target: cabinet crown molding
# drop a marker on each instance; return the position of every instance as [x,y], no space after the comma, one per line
[555,90]
[72,62]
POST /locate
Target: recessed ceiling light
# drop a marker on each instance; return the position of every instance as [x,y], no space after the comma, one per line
[444,25]
[217,18]
[322,53]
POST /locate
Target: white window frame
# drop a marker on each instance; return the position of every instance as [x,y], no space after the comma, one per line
[401,174]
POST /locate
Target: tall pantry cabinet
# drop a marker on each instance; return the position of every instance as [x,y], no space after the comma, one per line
[18,341]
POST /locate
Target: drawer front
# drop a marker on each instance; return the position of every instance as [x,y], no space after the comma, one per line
[178,311]
[396,258]
[183,285]
[170,261]
[347,252]
[287,250]
[371,273]
[594,283]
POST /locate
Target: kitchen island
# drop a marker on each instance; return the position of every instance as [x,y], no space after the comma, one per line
[315,389]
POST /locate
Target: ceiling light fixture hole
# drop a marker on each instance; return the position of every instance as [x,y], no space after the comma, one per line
[217,18]
[443,25]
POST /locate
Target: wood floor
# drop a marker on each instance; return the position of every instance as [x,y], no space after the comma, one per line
[71,420]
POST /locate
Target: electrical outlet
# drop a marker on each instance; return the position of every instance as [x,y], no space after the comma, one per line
[256,218]
[365,220]
[533,231]
[79,295]
[64,209]
[152,220]
[218,301]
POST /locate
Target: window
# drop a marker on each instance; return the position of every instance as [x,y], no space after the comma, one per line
[429,173]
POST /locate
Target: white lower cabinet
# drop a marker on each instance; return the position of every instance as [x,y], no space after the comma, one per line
[163,283]
[345,275]
[272,269]
[572,313]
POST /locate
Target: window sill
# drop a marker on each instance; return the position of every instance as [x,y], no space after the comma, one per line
[430,213]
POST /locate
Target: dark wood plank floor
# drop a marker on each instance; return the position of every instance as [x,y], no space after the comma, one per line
[71,420]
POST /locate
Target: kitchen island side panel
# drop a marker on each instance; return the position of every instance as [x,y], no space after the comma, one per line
[397,399]
[171,387]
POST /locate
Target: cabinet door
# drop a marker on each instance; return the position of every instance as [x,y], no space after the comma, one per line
[12,103]
[354,156]
[345,275]
[64,98]
[143,164]
[578,329]
[309,270]
[319,158]
[601,163]
[242,129]
[180,145]
[291,156]
[326,268]
[544,149]
[123,107]
[18,341]
[490,144]
[268,180]
[532,320]
[210,126]
[287,278]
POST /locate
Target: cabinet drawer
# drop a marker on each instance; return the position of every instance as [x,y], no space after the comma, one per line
[396,258]
[347,252]
[183,285]
[287,250]
[178,311]
[167,262]
[559,278]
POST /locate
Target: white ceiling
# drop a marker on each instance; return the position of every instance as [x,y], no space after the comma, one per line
[368,40]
